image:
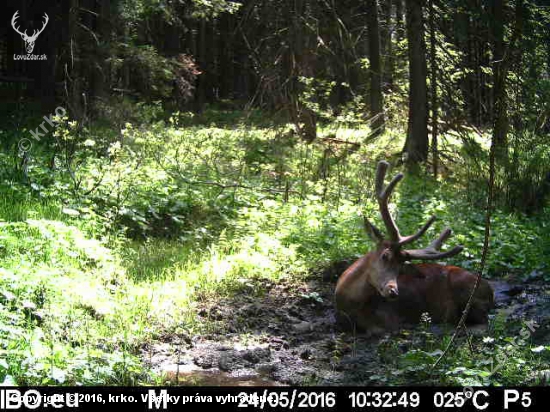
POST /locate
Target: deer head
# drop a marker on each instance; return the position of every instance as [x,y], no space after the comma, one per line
[29,40]
[387,260]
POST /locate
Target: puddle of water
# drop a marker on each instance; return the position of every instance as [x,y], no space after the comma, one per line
[503,291]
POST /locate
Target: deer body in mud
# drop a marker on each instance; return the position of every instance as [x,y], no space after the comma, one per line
[383,290]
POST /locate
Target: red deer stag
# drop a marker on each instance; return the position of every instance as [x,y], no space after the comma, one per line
[383,291]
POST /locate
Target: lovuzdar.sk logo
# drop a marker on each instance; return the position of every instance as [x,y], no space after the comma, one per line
[29,40]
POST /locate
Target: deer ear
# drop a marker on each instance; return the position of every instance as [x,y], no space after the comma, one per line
[373,232]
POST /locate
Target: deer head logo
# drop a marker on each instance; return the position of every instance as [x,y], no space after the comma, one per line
[29,40]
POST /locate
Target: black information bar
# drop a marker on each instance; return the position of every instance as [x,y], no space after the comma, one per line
[412,398]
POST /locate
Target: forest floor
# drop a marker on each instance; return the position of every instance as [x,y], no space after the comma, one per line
[288,336]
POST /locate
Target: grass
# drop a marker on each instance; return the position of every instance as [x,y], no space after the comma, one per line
[87,280]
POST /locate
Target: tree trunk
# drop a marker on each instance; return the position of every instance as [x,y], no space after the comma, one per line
[433,82]
[73,71]
[227,63]
[386,44]
[500,117]
[376,99]
[101,74]
[416,145]
[43,72]
[172,38]
[399,24]
[201,54]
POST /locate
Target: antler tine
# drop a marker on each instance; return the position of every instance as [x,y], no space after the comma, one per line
[437,243]
[417,235]
[46,20]
[383,196]
[425,254]
[372,230]
[380,175]
[14,22]
[431,252]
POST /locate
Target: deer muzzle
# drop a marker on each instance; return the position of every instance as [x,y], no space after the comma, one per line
[30,47]
[391,292]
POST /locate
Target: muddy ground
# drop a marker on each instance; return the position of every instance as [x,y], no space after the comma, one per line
[288,336]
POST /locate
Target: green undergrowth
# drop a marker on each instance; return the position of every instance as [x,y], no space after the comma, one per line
[508,353]
[117,246]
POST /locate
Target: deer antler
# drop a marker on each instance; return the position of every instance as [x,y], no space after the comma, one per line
[431,252]
[383,195]
[24,34]
[14,22]
[36,33]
